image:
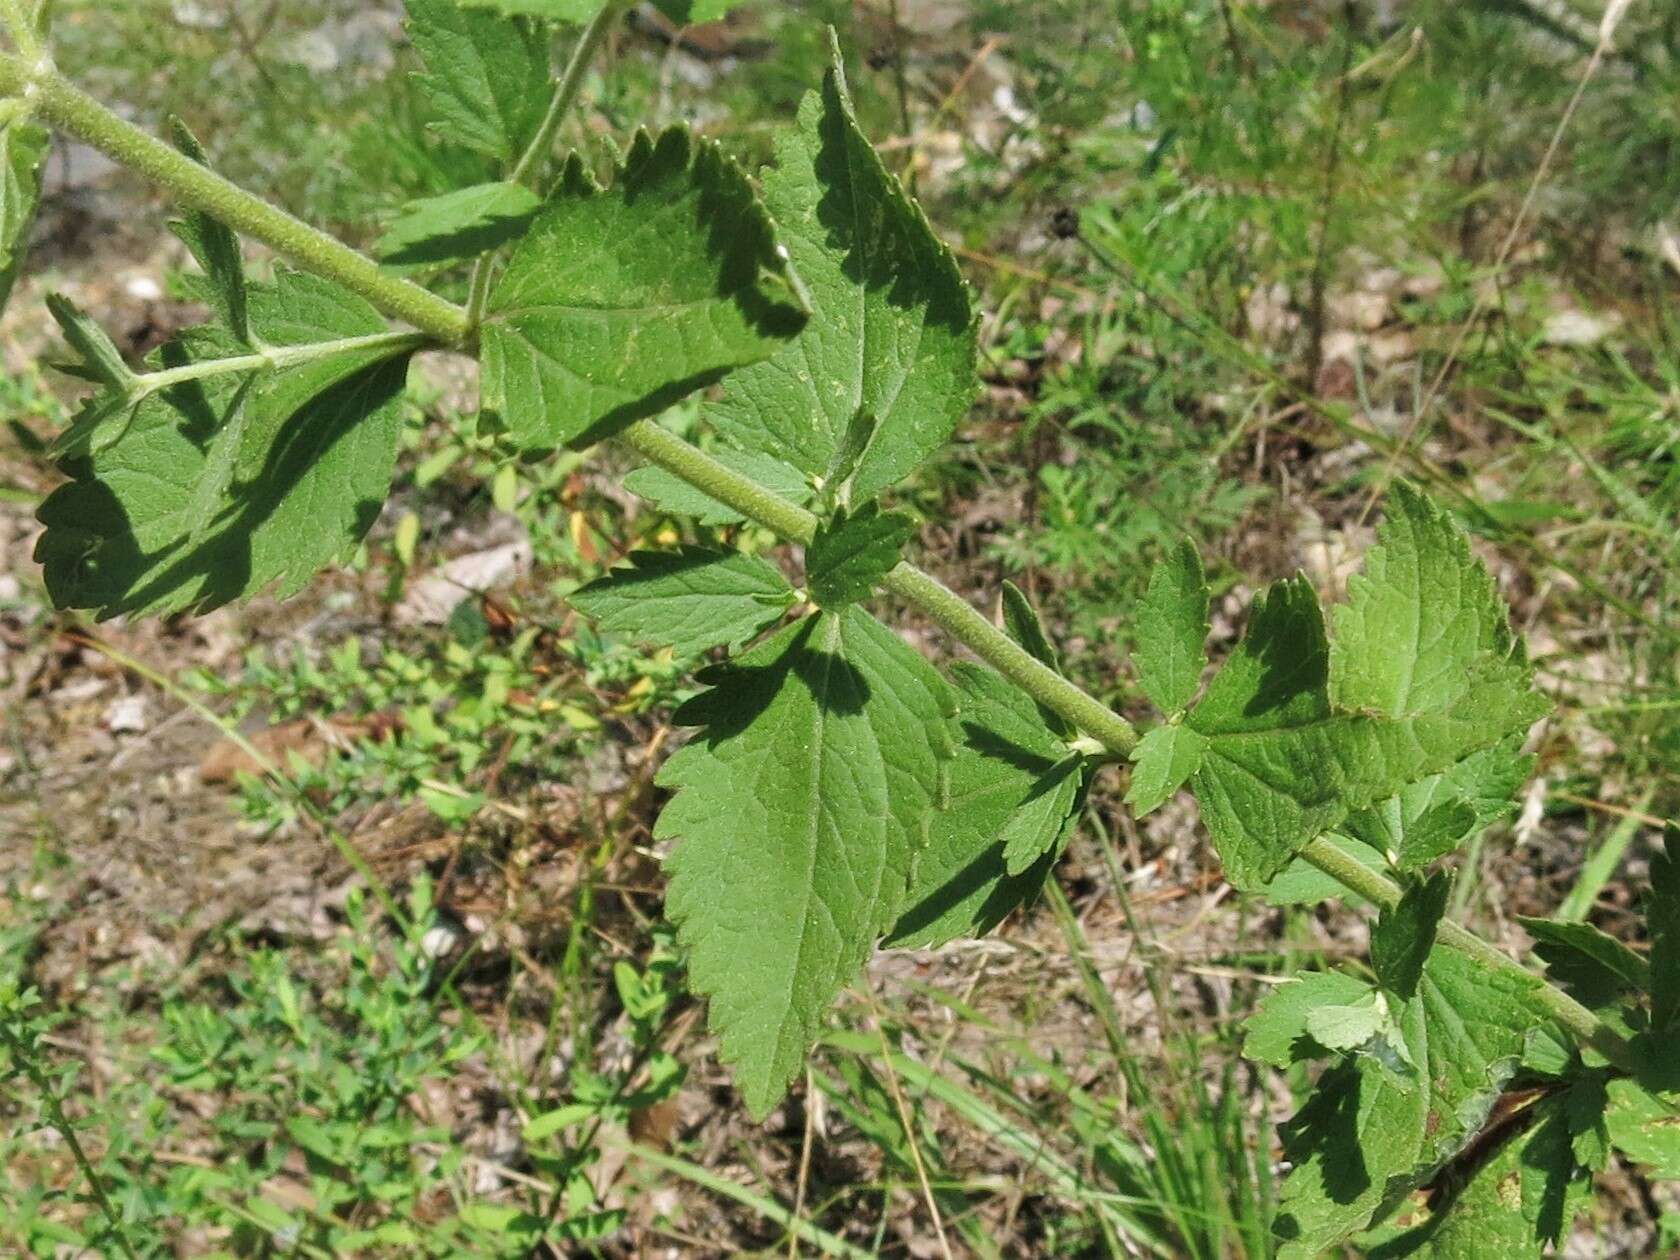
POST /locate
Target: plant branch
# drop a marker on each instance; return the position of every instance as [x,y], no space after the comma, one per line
[19,24]
[61,103]
[566,89]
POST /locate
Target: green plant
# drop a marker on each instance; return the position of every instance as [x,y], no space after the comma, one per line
[841,790]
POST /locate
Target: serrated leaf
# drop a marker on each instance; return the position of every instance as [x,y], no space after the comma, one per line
[1422,620]
[1595,967]
[182,510]
[1662,920]
[1277,1031]
[962,885]
[1404,934]
[1163,762]
[619,302]
[853,551]
[1172,629]
[893,333]
[1282,765]
[486,77]
[670,493]
[1040,823]
[458,225]
[688,600]
[1493,1208]
[799,811]
[1369,1136]
[1645,1126]
[1432,817]
[23,156]
[215,247]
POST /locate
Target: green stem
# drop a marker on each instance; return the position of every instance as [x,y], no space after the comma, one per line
[953,613]
[274,358]
[61,103]
[23,1055]
[21,28]
[566,89]
[82,116]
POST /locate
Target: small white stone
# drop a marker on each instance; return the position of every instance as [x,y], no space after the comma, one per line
[143,289]
[439,941]
[126,716]
[1578,328]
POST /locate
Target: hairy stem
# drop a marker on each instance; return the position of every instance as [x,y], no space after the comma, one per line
[20,25]
[566,89]
[61,103]
[195,186]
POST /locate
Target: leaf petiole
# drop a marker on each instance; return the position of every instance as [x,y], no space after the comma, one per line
[273,359]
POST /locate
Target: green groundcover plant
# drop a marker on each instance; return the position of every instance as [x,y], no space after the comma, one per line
[840,791]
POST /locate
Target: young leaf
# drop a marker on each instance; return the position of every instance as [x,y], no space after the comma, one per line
[1163,762]
[1595,967]
[852,553]
[1424,622]
[215,247]
[1021,622]
[1277,1031]
[458,225]
[98,359]
[688,600]
[619,302]
[486,77]
[670,493]
[1662,919]
[1403,935]
[177,514]
[1348,1027]
[799,810]
[1367,1137]
[1172,629]
[962,885]
[893,335]
[23,156]
[1040,823]
[1417,825]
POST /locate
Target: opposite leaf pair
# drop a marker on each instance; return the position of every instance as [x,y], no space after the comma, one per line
[1295,734]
